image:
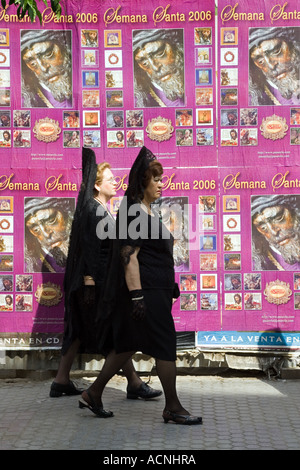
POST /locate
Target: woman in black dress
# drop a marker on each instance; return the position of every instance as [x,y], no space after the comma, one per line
[141,288]
[85,275]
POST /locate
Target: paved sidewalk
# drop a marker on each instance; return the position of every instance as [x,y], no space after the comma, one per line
[238,414]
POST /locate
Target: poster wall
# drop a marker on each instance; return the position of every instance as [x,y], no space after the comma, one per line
[215,97]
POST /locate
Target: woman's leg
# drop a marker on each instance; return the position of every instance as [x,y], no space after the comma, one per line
[166,371]
[63,372]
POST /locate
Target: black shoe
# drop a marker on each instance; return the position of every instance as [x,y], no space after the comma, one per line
[144,391]
[57,390]
[181,419]
[98,410]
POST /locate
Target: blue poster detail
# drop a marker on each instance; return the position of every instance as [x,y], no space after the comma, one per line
[248,339]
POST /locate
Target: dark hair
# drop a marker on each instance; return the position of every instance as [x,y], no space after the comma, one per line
[154,169]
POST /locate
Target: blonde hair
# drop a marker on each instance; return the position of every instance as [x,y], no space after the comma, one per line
[101,167]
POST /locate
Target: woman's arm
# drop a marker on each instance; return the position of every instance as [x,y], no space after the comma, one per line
[132,271]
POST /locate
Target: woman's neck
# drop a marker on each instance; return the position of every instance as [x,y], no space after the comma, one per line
[101,199]
[146,205]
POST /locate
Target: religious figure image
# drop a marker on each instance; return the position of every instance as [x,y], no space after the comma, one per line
[46,64]
[158,56]
[275,232]
[48,222]
[274,66]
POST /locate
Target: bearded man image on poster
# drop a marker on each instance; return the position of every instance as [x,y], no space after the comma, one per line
[274,66]
[158,57]
[275,232]
[46,57]
[48,222]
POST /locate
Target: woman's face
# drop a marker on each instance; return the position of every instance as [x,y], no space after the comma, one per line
[107,188]
[154,188]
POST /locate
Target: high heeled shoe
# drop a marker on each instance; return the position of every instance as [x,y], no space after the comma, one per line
[181,419]
[98,410]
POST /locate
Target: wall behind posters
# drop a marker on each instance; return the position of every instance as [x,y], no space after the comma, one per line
[196,90]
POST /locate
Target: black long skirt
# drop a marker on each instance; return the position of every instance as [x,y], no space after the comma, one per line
[155,335]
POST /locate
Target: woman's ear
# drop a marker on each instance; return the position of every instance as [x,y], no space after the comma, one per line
[97,187]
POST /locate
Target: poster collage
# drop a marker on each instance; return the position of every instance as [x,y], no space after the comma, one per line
[215,101]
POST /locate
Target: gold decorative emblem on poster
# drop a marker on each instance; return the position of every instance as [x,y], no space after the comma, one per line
[48,294]
[277,292]
[274,127]
[47,130]
[159,129]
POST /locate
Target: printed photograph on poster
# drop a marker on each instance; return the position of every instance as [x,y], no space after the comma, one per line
[233,301]
[6,283]
[42,214]
[71,119]
[112,38]
[91,138]
[174,213]
[248,136]
[6,244]
[115,139]
[295,116]
[204,96]
[6,302]
[188,301]
[6,224]
[208,301]
[44,54]
[297,281]
[90,58]
[229,36]
[275,232]
[203,36]
[4,57]
[24,302]
[115,203]
[208,242]
[5,138]
[71,139]
[297,301]
[207,222]
[252,281]
[233,281]
[90,79]
[113,58]
[135,118]
[295,135]
[4,37]
[5,97]
[6,263]
[207,203]
[113,78]
[280,44]
[183,117]
[135,138]
[229,137]
[188,282]
[203,56]
[90,98]
[229,117]
[22,139]
[203,76]
[205,136]
[165,49]
[204,117]
[114,99]
[232,242]
[248,116]
[24,283]
[252,301]
[232,223]
[22,118]
[4,78]
[232,261]
[229,56]
[229,77]
[89,38]
[229,96]
[231,203]
[208,262]
[114,119]
[184,137]
[6,204]
[91,118]
[208,282]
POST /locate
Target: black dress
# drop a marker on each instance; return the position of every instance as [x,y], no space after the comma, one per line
[155,335]
[80,320]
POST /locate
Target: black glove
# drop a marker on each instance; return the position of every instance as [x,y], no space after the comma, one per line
[138,304]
